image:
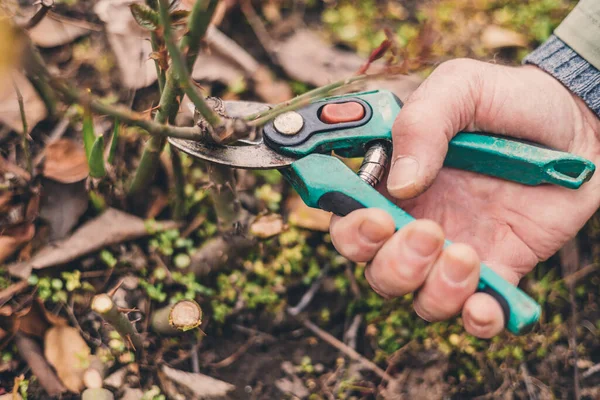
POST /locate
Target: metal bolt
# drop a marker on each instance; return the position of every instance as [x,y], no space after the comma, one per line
[289,123]
[374,164]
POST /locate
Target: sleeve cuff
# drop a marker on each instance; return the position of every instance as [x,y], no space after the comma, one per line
[564,64]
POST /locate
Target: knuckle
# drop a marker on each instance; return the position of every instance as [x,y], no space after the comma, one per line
[458,66]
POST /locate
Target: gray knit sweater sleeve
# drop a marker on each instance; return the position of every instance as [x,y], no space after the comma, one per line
[562,62]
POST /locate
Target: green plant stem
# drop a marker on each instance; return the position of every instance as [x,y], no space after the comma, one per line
[179,65]
[225,199]
[24,141]
[160,73]
[263,117]
[72,95]
[178,185]
[198,21]
[103,305]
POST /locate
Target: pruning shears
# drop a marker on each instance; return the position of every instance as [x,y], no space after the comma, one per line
[300,144]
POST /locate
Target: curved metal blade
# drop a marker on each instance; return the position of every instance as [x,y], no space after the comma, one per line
[252,156]
[248,155]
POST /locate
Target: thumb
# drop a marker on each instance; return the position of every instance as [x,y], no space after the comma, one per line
[442,106]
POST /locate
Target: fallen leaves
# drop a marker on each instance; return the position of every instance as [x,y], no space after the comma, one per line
[54,30]
[129,43]
[65,161]
[303,216]
[267,226]
[307,58]
[199,386]
[111,227]
[10,114]
[13,239]
[68,353]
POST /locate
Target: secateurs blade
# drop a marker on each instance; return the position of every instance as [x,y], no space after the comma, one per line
[300,144]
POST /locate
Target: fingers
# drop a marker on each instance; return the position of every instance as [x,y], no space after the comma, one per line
[360,234]
[482,316]
[413,259]
[404,261]
[452,280]
[432,115]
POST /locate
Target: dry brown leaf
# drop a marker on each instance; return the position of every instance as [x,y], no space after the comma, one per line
[307,58]
[111,227]
[10,114]
[68,353]
[216,68]
[54,30]
[303,216]
[62,205]
[12,239]
[129,43]
[65,161]
[267,226]
[201,386]
[496,37]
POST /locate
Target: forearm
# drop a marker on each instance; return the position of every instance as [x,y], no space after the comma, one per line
[572,54]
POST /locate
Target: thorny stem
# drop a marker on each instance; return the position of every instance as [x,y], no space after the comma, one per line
[40,80]
[160,73]
[72,95]
[225,199]
[198,21]
[40,14]
[179,65]
[103,305]
[24,141]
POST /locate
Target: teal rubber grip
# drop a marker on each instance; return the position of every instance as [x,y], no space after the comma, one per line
[517,161]
[326,182]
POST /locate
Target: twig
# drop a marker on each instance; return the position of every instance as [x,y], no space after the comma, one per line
[226,362]
[353,354]
[591,371]
[72,95]
[350,334]
[569,259]
[259,29]
[310,293]
[24,139]
[259,119]
[576,276]
[103,305]
[528,383]
[40,14]
[31,352]
[194,356]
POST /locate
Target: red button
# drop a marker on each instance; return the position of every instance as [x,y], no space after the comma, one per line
[336,113]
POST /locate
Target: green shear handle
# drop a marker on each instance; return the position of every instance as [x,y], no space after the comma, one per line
[315,187]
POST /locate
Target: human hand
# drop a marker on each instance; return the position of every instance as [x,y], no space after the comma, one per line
[508,226]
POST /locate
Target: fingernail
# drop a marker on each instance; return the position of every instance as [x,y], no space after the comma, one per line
[423,241]
[371,231]
[455,268]
[403,174]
